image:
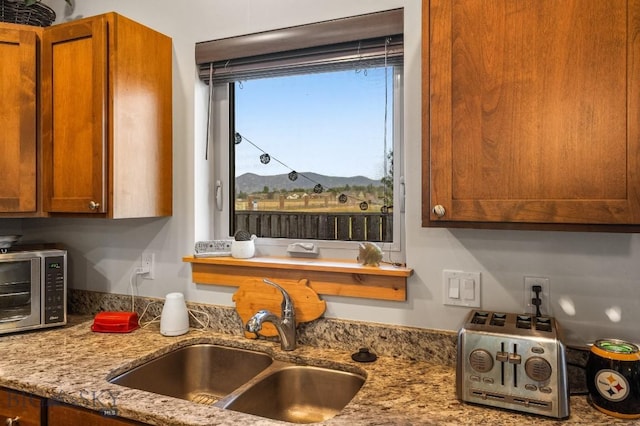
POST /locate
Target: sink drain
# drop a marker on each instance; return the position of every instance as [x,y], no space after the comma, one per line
[204,398]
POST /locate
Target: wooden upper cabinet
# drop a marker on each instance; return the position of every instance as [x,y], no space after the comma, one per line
[531,111]
[18,118]
[107,118]
[74,85]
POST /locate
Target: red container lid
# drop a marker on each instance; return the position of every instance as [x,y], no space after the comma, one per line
[115,322]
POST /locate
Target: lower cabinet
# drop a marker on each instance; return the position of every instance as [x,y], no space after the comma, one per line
[19,408]
[23,409]
[67,415]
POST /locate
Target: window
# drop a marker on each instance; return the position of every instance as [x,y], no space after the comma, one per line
[313,145]
[312,158]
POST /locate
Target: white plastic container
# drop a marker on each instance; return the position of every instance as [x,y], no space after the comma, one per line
[174,320]
[243,249]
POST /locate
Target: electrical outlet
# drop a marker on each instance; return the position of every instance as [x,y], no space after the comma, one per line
[529,294]
[147,263]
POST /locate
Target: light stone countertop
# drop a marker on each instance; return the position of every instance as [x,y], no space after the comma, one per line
[72,364]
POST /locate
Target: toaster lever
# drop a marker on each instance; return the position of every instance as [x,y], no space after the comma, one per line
[515,358]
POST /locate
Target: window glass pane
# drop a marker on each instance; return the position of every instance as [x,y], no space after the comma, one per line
[313,155]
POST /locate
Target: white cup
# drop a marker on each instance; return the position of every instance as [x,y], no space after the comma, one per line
[243,249]
[174,319]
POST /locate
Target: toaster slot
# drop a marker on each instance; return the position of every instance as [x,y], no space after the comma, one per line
[479,318]
[498,319]
[543,324]
[524,322]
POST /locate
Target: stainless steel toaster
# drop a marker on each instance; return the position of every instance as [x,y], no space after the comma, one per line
[512,361]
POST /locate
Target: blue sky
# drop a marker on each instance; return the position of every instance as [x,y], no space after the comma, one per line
[328,123]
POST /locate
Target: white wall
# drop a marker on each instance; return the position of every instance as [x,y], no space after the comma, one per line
[594,272]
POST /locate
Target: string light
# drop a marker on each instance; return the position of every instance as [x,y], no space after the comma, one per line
[265,158]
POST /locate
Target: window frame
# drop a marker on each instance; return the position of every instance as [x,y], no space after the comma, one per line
[338,42]
[222,119]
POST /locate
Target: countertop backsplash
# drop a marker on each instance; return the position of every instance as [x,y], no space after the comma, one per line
[410,343]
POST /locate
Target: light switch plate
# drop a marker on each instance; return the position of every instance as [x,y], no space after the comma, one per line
[461,288]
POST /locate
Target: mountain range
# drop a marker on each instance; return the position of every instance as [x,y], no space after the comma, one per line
[252,183]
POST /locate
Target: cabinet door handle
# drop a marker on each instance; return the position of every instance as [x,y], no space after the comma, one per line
[93,205]
[12,422]
[438,210]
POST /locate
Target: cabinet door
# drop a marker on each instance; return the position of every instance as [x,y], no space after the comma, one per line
[65,415]
[18,135]
[28,409]
[532,111]
[140,99]
[74,116]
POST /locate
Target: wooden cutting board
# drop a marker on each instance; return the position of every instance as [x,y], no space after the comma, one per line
[254,295]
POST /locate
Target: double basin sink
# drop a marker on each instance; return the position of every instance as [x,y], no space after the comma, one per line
[246,381]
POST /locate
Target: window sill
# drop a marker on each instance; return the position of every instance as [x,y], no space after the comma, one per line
[326,277]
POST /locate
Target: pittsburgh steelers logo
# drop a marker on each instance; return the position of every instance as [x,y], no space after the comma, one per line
[611,385]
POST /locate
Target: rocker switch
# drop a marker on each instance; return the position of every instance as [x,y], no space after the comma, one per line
[454,288]
[468,289]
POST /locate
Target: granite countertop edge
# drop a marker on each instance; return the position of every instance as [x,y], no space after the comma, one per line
[72,365]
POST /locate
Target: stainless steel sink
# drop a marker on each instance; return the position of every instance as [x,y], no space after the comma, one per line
[200,373]
[246,381]
[298,394]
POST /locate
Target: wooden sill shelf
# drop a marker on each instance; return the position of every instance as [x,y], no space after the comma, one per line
[325,276]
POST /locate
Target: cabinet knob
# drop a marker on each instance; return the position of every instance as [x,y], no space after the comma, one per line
[12,422]
[93,205]
[438,210]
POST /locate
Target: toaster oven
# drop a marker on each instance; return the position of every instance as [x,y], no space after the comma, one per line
[33,289]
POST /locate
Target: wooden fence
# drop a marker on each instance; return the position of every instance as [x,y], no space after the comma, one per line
[321,226]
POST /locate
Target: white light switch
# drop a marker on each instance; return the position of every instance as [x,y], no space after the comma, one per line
[461,288]
[468,289]
[454,288]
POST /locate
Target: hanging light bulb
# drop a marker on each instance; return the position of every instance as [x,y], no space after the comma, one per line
[364,206]
[293,175]
[237,138]
[343,198]
[265,158]
[318,189]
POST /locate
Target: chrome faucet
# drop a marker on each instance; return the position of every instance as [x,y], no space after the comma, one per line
[285,324]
